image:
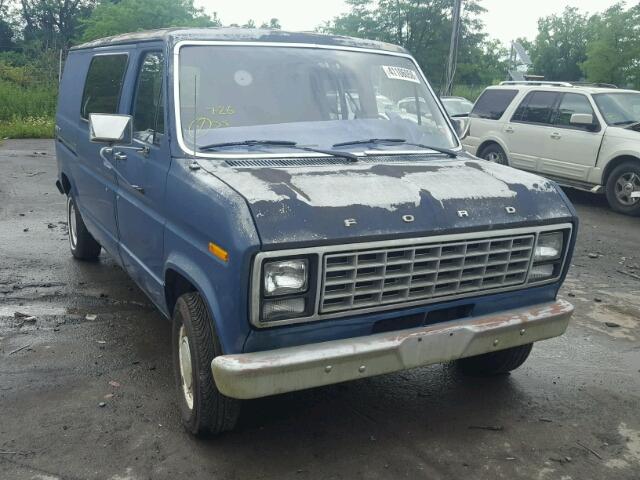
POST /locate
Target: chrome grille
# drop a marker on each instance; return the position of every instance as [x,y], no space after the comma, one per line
[369,278]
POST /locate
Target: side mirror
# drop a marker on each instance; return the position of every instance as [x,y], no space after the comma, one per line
[110,128]
[581,119]
[460,125]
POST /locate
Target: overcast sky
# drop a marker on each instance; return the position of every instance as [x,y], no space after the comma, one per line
[504,20]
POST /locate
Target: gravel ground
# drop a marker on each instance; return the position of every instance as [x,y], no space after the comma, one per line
[571,412]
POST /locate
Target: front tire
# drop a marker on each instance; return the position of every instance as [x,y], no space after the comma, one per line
[195,344]
[494,153]
[621,184]
[495,363]
[82,244]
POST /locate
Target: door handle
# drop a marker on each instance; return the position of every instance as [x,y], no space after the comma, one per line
[508,129]
[120,156]
[138,189]
[556,136]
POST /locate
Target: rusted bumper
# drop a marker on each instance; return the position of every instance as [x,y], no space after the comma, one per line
[259,374]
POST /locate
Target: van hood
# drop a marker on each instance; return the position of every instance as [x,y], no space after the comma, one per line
[296,202]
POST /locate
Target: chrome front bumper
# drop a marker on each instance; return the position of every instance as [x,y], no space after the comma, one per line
[259,374]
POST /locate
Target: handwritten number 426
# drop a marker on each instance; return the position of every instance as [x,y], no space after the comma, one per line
[223,110]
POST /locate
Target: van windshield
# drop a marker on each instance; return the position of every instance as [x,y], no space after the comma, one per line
[312,96]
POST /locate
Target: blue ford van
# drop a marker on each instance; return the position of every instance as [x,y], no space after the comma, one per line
[275,197]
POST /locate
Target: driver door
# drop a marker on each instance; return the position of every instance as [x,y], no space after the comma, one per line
[142,179]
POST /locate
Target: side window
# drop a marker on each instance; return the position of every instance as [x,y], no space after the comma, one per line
[103,84]
[573,103]
[148,107]
[536,107]
[492,104]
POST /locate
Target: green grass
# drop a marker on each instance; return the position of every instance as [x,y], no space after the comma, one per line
[470,92]
[27,127]
[27,103]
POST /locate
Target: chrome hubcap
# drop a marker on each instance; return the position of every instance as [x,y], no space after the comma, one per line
[72,223]
[627,188]
[494,157]
[186,369]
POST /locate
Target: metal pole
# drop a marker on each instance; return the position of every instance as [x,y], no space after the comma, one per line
[60,67]
[453,48]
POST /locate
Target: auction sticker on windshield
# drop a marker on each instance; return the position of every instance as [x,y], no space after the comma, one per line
[399,73]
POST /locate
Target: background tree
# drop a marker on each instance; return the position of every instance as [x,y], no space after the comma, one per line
[561,45]
[53,23]
[134,15]
[613,56]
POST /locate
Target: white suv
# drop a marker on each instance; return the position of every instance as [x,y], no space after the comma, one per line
[586,137]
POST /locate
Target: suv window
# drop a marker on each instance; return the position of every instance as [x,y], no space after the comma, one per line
[492,104]
[103,84]
[536,107]
[148,108]
[573,103]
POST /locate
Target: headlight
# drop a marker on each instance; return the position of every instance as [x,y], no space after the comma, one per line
[549,247]
[547,257]
[286,277]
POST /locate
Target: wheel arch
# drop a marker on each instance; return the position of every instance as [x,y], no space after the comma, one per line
[181,276]
[614,162]
[491,141]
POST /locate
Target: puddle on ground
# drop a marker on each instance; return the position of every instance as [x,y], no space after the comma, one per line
[33,310]
[627,317]
[631,453]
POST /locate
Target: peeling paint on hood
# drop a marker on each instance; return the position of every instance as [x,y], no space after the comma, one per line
[298,204]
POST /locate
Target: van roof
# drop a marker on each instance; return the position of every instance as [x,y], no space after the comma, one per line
[174,35]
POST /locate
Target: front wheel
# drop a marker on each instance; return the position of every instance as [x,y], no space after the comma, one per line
[623,189]
[494,153]
[495,363]
[195,344]
[82,244]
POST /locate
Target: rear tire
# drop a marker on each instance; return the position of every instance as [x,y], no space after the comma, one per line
[494,153]
[82,244]
[494,363]
[622,182]
[195,344]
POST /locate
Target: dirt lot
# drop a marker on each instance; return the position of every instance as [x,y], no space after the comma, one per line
[572,411]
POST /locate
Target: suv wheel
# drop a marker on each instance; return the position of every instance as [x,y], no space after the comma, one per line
[495,363]
[195,344]
[623,188]
[83,245]
[494,153]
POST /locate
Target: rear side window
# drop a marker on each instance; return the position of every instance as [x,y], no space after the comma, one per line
[492,104]
[536,107]
[103,84]
[573,103]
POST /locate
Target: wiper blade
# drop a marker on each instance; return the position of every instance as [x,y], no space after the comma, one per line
[445,151]
[249,143]
[281,143]
[624,122]
[370,140]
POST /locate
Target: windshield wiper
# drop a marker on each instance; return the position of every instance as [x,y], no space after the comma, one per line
[382,141]
[249,143]
[281,143]
[624,122]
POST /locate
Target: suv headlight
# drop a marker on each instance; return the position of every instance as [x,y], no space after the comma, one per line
[285,277]
[547,256]
[285,290]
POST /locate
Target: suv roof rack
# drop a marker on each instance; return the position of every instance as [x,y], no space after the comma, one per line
[558,84]
[536,82]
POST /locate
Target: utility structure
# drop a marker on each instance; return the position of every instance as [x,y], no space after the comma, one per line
[450,71]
